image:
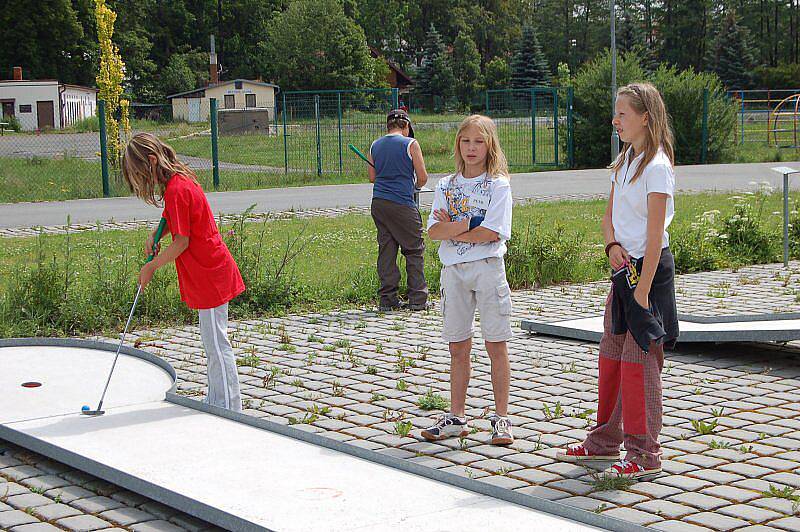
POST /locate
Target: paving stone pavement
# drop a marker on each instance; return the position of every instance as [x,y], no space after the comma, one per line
[361,377]
[38,495]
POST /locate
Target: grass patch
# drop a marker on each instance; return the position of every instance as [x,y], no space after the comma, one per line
[83,283]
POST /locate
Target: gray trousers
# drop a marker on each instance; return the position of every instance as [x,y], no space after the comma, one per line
[399,226]
[223,377]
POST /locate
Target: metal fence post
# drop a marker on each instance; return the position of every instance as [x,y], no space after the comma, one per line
[741,96]
[319,140]
[339,107]
[704,147]
[570,129]
[555,125]
[786,220]
[533,124]
[214,144]
[101,115]
[285,139]
[395,98]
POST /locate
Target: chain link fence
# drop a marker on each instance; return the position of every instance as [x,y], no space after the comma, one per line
[298,138]
[534,125]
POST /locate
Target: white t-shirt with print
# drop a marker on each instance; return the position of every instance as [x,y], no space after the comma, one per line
[465,198]
[629,210]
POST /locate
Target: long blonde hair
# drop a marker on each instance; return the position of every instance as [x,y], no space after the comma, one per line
[496,164]
[645,98]
[145,180]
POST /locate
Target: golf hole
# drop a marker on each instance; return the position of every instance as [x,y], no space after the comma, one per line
[32,384]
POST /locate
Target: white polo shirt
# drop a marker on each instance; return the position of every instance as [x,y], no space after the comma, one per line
[629,210]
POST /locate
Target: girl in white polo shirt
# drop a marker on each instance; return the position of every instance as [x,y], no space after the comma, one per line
[640,317]
[471,216]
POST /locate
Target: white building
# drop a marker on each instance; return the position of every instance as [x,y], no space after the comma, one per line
[42,104]
[193,106]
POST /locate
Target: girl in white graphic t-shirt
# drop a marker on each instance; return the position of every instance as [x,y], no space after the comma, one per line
[640,317]
[471,216]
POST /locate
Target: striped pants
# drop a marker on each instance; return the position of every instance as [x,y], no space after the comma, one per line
[223,377]
[629,406]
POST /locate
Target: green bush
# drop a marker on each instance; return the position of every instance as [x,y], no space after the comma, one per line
[743,233]
[783,76]
[592,106]
[537,257]
[683,97]
[87,125]
[695,246]
[13,123]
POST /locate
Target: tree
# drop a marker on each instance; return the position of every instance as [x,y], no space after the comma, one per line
[183,72]
[46,38]
[314,45]
[529,67]
[497,74]
[684,29]
[109,80]
[732,57]
[435,80]
[466,68]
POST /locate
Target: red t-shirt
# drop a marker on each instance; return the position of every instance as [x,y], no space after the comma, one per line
[207,274]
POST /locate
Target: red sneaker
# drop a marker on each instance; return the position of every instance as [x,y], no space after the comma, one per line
[625,468]
[578,453]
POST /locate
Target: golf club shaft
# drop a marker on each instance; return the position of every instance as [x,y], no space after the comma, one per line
[162,224]
[361,155]
[119,347]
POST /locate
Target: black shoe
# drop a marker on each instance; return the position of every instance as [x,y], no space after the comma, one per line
[419,307]
[390,308]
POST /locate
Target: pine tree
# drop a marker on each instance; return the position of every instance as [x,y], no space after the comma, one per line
[732,54]
[466,68]
[435,81]
[529,66]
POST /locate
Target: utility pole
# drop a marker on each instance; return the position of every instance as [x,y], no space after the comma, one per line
[614,135]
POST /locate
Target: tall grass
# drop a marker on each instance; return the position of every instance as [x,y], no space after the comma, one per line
[84,282]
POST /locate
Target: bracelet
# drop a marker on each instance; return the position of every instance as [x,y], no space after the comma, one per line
[611,245]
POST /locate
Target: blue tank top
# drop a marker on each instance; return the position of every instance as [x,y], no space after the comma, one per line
[394,171]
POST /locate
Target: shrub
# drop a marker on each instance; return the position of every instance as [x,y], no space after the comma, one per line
[13,122]
[537,258]
[783,76]
[683,96]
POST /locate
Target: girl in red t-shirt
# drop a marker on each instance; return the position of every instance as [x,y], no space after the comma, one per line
[208,277]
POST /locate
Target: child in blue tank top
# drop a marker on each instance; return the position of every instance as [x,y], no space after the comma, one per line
[397,169]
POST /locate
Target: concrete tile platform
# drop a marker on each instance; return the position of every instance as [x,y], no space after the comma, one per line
[229,473]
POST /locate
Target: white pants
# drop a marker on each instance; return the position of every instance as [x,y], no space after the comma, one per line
[482,284]
[223,378]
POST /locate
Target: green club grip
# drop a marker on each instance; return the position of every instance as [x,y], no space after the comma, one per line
[159,231]
[358,152]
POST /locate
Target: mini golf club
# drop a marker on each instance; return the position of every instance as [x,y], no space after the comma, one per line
[85,410]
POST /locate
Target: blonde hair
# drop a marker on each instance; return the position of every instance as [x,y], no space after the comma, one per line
[145,180]
[496,164]
[645,98]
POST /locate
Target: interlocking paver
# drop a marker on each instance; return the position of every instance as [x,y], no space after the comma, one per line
[757,436]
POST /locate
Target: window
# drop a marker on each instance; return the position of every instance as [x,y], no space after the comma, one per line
[250,100]
[238,85]
[230,101]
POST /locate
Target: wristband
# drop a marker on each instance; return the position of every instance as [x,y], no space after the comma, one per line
[611,245]
[475,221]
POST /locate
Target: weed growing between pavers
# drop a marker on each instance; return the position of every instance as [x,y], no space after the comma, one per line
[433,401]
